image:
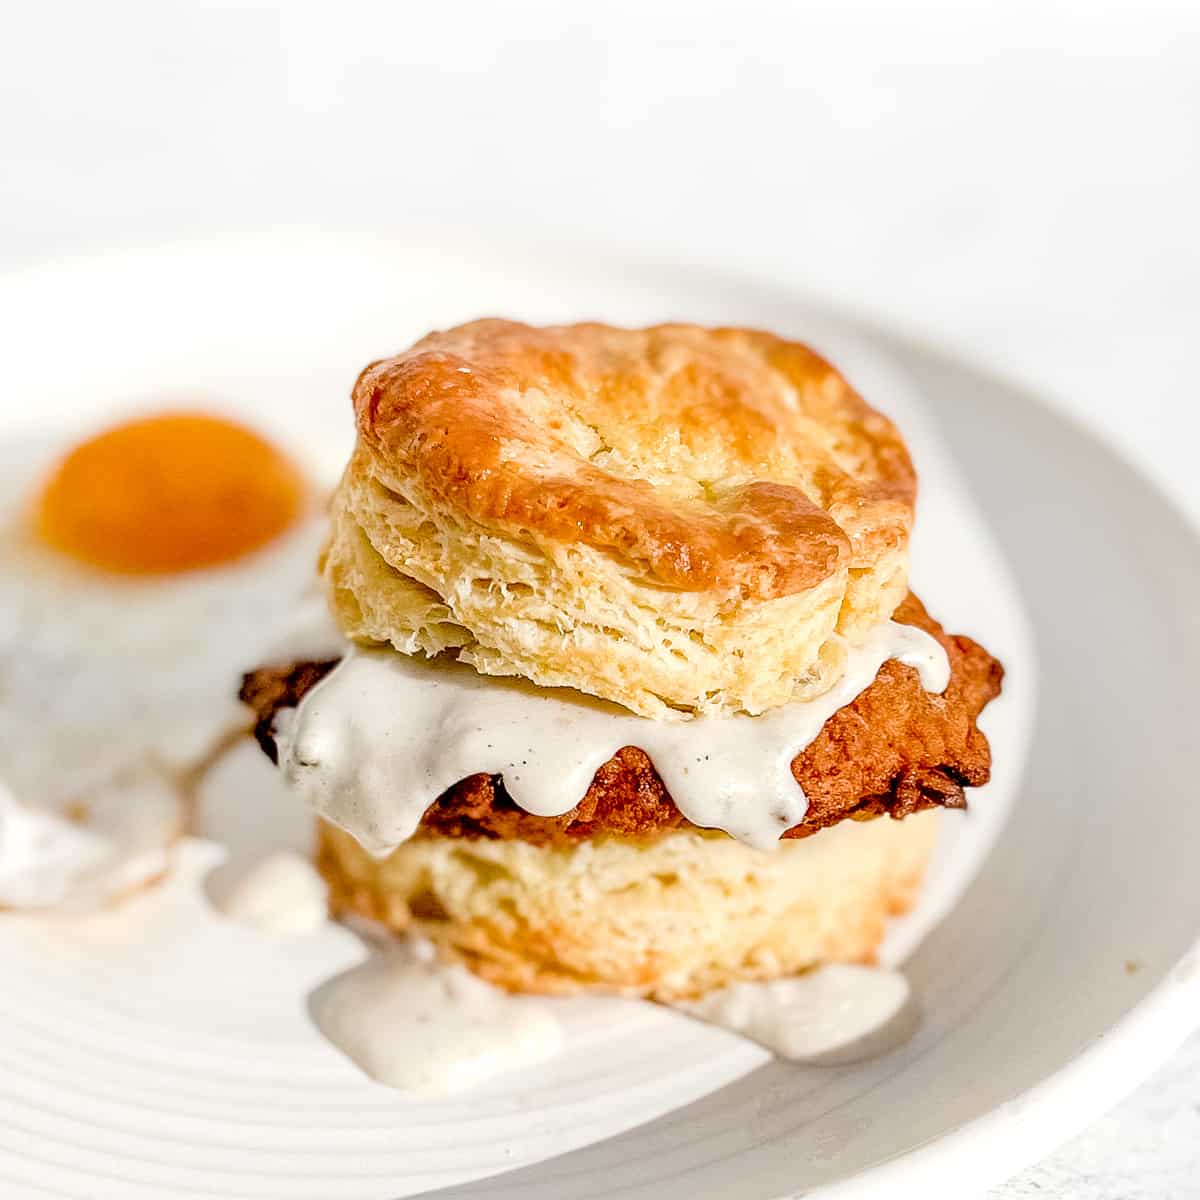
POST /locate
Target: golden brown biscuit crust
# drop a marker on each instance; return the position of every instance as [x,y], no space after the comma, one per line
[672,917]
[894,750]
[720,460]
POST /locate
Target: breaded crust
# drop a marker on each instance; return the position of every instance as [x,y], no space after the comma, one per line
[895,750]
[676,519]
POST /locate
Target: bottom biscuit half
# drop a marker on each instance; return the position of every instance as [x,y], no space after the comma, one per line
[667,918]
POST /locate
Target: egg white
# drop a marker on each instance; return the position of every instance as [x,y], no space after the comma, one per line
[102,674]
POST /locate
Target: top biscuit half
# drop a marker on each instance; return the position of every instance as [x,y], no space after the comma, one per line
[678,519]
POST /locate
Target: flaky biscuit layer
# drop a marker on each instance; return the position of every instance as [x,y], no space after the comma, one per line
[670,918]
[677,519]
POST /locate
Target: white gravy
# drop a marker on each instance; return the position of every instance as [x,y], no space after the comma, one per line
[383,735]
[412,1022]
[809,1016]
[280,893]
[118,839]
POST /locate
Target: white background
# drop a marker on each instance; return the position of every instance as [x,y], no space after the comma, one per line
[1020,181]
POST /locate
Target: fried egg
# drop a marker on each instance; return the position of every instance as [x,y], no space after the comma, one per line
[141,570]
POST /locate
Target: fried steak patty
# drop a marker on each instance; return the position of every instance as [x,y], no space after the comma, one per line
[896,749]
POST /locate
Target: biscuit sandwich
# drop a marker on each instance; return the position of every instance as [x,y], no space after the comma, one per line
[634,695]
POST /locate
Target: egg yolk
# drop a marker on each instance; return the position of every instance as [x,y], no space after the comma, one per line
[169,492]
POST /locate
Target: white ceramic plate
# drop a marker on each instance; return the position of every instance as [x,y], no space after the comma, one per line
[160,1051]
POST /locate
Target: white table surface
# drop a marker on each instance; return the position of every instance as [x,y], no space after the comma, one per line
[1020,181]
